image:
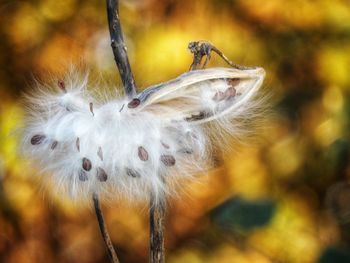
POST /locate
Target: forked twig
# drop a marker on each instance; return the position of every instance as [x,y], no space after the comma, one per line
[102,224]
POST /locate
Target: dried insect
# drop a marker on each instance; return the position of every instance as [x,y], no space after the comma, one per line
[91,146]
[204,48]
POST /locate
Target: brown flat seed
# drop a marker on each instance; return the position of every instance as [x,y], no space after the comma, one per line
[230,93]
[82,176]
[101,175]
[37,139]
[77,144]
[168,160]
[92,108]
[197,117]
[233,82]
[100,153]
[185,150]
[132,173]
[134,103]
[143,154]
[62,86]
[53,145]
[86,164]
[219,96]
[166,146]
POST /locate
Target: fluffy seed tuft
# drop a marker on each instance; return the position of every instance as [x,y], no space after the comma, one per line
[118,147]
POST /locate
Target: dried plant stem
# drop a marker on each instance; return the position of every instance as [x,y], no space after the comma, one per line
[157,214]
[119,48]
[157,210]
[102,224]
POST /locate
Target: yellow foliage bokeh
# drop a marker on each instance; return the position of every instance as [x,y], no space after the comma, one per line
[301,153]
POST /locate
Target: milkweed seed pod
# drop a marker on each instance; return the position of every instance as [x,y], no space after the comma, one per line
[146,145]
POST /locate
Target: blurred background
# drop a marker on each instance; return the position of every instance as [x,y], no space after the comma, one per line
[284,199]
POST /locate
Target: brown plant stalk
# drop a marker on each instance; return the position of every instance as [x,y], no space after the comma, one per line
[102,224]
[157,209]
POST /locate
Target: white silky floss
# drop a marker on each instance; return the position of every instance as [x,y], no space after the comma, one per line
[135,148]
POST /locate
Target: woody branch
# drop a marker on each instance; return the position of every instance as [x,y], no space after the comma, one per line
[157,210]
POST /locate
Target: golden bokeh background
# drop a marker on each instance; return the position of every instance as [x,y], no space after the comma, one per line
[285,198]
